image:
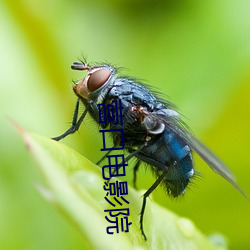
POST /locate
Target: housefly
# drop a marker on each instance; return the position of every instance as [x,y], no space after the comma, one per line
[153,130]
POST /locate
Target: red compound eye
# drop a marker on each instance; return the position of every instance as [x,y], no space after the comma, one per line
[97,79]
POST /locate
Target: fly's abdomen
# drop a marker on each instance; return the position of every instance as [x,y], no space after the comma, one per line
[178,176]
[168,153]
[180,166]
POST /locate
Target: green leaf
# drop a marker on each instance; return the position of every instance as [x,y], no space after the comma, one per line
[75,186]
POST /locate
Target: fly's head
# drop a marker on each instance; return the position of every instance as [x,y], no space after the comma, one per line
[93,85]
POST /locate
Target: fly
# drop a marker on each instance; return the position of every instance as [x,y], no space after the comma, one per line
[153,130]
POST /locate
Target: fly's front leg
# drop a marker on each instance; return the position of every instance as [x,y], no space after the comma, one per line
[145,196]
[75,123]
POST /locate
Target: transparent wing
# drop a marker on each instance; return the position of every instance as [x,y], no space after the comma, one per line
[175,124]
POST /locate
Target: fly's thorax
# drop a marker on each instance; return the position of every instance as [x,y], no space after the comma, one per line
[152,125]
[153,122]
[95,84]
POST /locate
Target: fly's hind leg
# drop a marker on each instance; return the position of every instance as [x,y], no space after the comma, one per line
[136,167]
[145,196]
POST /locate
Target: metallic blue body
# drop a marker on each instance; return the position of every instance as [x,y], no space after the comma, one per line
[165,151]
[153,130]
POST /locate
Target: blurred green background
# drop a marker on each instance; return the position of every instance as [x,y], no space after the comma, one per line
[196,53]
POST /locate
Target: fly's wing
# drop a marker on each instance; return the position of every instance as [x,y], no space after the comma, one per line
[212,160]
[175,124]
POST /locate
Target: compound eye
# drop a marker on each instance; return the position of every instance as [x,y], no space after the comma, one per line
[97,79]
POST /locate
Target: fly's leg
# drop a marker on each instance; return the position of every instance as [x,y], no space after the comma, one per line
[145,196]
[75,123]
[103,157]
[133,153]
[136,167]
